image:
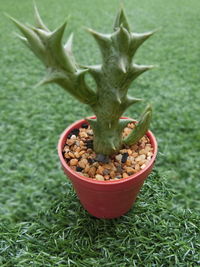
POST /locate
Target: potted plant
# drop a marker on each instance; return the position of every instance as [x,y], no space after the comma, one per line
[107,157]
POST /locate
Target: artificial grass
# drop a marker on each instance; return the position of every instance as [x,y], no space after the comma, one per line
[42,222]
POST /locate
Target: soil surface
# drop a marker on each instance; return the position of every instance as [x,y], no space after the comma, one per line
[79,155]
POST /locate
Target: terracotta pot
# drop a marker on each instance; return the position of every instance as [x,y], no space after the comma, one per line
[106,199]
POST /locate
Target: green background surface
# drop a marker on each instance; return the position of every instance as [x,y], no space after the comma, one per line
[41,220]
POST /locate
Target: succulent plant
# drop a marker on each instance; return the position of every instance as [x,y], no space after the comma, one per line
[113,77]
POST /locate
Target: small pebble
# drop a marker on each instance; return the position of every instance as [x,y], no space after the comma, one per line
[73,162]
[82,163]
[92,171]
[137,167]
[100,170]
[141,162]
[90,132]
[71,155]
[139,158]
[87,167]
[66,155]
[119,169]
[129,163]
[134,154]
[124,157]
[130,170]
[99,177]
[89,144]
[129,152]
[119,157]
[73,137]
[70,142]
[125,175]
[143,166]
[112,174]
[81,152]
[143,151]
[79,169]
[83,134]
[106,172]
[78,149]
[76,154]
[66,149]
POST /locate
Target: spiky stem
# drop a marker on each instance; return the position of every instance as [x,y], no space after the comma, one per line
[113,77]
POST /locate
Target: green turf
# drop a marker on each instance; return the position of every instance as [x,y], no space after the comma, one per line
[42,222]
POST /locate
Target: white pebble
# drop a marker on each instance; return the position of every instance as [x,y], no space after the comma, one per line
[119,157]
[99,177]
[143,166]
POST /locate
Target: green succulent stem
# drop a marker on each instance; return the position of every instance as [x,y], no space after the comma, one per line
[113,77]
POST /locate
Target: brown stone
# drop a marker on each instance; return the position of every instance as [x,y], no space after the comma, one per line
[81,143]
[134,147]
[82,163]
[87,167]
[112,174]
[70,142]
[83,135]
[149,154]
[66,156]
[134,154]
[81,152]
[92,171]
[137,167]
[125,175]
[76,154]
[129,151]
[71,154]
[141,162]
[143,151]
[140,158]
[130,170]
[129,162]
[78,149]
[100,170]
[66,149]
[73,162]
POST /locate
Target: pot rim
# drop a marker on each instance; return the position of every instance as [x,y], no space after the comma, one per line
[108,183]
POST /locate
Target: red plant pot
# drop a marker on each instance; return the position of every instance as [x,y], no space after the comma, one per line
[106,199]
